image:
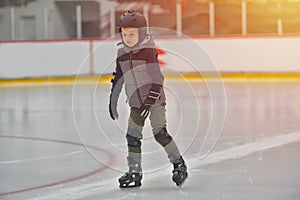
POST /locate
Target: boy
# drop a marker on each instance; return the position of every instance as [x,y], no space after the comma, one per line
[137,67]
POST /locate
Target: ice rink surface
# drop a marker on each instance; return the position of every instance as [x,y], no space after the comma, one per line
[58,142]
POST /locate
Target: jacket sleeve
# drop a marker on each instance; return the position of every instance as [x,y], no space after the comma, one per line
[117,84]
[155,73]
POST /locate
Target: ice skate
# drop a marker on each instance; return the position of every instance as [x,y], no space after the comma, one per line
[130,180]
[180,172]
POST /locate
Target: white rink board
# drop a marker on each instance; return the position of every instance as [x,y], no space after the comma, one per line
[40,59]
[85,57]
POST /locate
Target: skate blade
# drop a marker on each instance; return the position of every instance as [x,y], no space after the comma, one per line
[124,186]
[181,184]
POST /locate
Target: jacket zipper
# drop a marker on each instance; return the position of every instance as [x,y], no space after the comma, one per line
[135,81]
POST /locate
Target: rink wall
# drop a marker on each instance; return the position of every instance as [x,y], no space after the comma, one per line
[256,55]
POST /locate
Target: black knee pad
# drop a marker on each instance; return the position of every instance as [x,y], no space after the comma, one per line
[134,144]
[133,141]
[162,137]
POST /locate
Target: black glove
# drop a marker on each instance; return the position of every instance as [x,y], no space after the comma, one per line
[150,101]
[113,110]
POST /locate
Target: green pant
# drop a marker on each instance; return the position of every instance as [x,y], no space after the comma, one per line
[134,135]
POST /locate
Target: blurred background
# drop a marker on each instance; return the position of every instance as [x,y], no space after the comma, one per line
[64,19]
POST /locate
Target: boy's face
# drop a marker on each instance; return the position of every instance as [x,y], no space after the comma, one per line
[130,36]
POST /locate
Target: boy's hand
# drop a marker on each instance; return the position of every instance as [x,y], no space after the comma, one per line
[145,110]
[150,101]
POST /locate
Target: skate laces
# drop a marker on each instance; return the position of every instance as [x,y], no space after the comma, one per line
[180,166]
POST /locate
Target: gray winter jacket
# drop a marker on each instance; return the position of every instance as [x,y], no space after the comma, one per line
[138,68]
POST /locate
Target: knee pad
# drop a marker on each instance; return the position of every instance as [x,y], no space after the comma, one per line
[133,143]
[162,137]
